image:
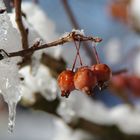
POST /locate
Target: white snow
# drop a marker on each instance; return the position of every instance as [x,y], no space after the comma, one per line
[40,21]
[80,105]
[81,32]
[42,82]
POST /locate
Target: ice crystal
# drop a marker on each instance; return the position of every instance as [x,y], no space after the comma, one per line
[9,79]
[10,88]
[81,32]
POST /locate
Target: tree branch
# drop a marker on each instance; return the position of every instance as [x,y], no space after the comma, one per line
[23,31]
[69,38]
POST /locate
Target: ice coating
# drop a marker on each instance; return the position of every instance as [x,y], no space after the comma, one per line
[9,78]
[12,116]
[10,88]
[9,37]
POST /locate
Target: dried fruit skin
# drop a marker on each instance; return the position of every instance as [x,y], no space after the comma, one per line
[65,82]
[85,80]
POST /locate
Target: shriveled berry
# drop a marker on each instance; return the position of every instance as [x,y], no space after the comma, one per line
[85,80]
[66,83]
[103,73]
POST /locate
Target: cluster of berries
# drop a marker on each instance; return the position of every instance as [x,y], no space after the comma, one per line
[84,79]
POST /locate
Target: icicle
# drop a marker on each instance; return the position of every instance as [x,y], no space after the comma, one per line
[12,115]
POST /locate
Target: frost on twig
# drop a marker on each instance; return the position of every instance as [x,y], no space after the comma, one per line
[69,38]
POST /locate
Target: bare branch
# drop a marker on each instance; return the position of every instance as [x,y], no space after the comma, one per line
[69,38]
[23,32]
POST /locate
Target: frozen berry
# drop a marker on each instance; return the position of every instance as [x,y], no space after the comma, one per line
[103,73]
[66,83]
[85,80]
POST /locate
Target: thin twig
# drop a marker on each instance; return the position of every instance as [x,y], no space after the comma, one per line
[23,32]
[61,41]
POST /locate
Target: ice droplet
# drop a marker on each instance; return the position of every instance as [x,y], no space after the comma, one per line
[12,115]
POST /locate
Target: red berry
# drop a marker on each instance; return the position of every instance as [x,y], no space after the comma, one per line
[85,80]
[133,83]
[65,82]
[119,82]
[103,73]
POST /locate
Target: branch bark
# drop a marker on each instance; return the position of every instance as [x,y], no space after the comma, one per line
[23,31]
[61,41]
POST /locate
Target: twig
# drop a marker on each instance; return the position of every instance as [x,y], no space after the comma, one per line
[76,26]
[61,41]
[23,32]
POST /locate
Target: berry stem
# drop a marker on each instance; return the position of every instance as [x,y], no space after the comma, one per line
[74,62]
[77,54]
[96,54]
